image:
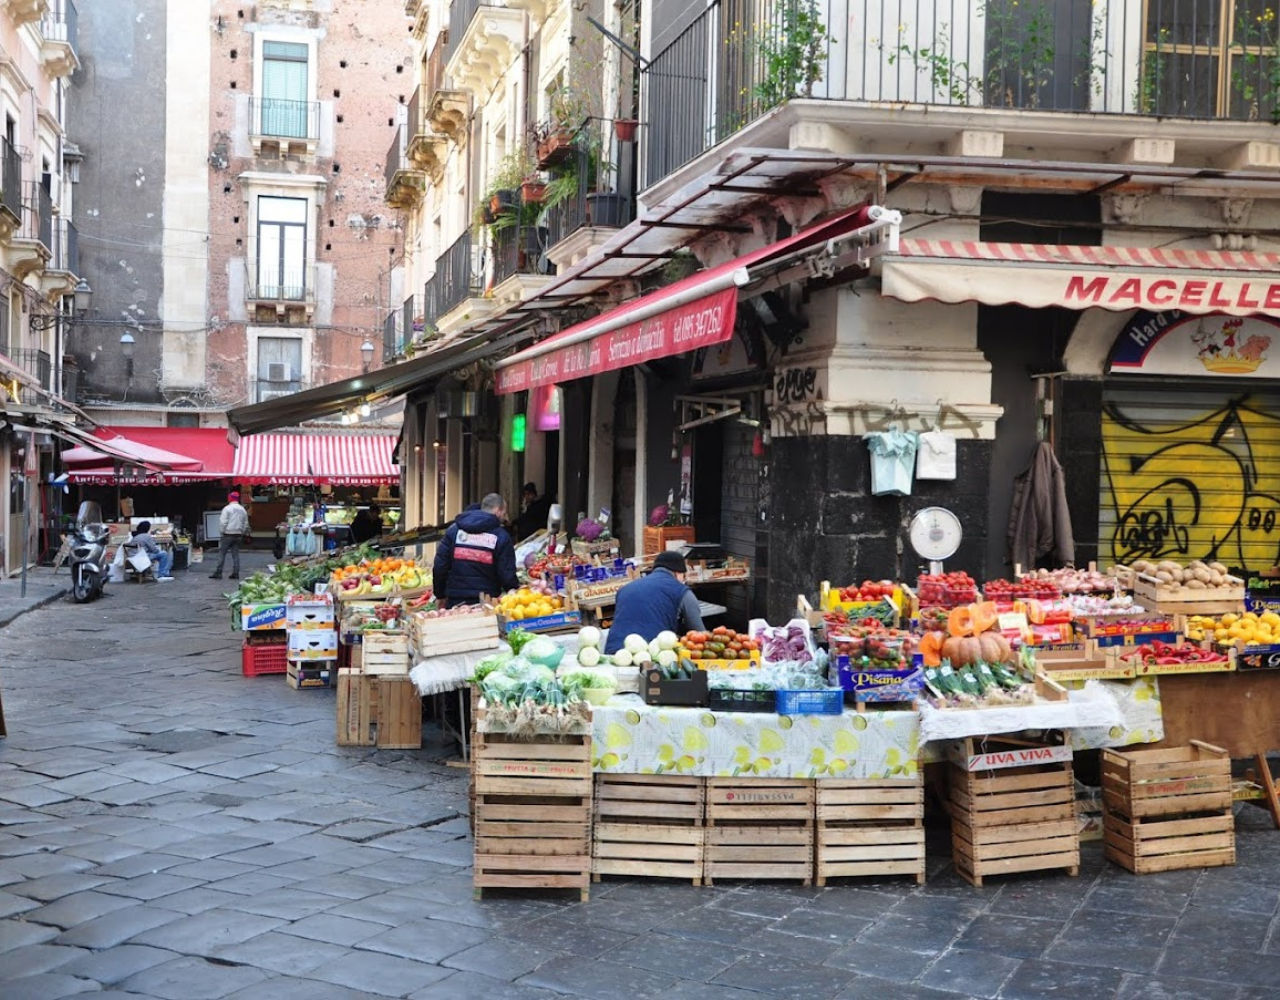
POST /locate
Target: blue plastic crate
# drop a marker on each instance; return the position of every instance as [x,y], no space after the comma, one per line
[827,701]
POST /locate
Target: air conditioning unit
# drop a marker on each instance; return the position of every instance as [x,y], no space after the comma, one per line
[278,371]
[265,394]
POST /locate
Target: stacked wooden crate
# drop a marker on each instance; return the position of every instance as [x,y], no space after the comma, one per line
[1013,808]
[759,828]
[650,825]
[870,828]
[1168,809]
[532,812]
[385,712]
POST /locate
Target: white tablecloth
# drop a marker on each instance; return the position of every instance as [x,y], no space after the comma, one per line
[1091,706]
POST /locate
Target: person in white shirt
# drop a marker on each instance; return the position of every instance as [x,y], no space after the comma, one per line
[233,525]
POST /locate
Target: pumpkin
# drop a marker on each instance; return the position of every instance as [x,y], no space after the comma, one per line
[991,651]
[960,621]
[931,648]
[961,650]
[985,616]
[1034,610]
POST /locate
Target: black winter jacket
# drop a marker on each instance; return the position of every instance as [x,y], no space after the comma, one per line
[476,556]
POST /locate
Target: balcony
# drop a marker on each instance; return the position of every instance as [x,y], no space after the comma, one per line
[31,248]
[277,292]
[446,110]
[10,189]
[392,343]
[420,11]
[455,293]
[25,11]
[584,205]
[263,389]
[426,148]
[39,366]
[405,181]
[484,42]
[1105,57]
[58,38]
[280,128]
[520,262]
[63,270]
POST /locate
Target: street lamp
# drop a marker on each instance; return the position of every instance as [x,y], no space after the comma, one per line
[82,296]
[126,348]
[366,352]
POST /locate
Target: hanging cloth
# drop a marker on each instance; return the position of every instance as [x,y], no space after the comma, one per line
[893,459]
[1039,521]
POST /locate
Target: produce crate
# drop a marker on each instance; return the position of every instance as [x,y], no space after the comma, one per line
[313,644]
[310,673]
[649,825]
[1154,595]
[733,700]
[561,621]
[759,829]
[258,658]
[255,617]
[1082,664]
[657,539]
[870,828]
[385,653]
[533,803]
[827,701]
[454,634]
[384,712]
[1168,809]
[589,550]
[1011,816]
[309,611]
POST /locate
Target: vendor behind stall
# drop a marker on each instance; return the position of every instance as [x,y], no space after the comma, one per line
[655,603]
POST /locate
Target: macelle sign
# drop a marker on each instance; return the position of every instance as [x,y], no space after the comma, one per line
[1236,296]
[1174,343]
[698,324]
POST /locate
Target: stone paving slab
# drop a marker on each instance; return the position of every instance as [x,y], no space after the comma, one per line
[151,847]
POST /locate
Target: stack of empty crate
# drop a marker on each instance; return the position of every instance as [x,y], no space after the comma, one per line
[378,705]
[1168,809]
[649,825]
[266,640]
[1013,807]
[870,828]
[312,658]
[759,828]
[532,812]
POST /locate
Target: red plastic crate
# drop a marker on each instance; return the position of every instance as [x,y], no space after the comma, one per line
[264,658]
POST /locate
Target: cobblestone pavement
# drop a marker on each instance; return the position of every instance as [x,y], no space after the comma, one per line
[169,828]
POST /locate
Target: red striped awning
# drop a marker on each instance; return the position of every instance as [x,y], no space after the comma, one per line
[304,459]
[1239,283]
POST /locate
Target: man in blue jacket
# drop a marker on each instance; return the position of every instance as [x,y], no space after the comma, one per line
[659,602]
[476,555]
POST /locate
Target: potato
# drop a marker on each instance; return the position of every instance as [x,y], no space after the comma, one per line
[1164,577]
[1168,566]
[1218,567]
[1143,566]
[1216,579]
[1196,585]
[1201,574]
[1196,564]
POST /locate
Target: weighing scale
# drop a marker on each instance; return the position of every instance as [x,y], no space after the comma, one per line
[935,535]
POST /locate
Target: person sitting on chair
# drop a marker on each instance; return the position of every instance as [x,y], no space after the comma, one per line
[162,558]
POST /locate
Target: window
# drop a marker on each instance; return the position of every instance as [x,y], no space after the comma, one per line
[5,346]
[1211,59]
[179,418]
[279,366]
[282,248]
[284,89]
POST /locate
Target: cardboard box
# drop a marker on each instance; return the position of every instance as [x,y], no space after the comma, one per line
[313,644]
[310,612]
[255,617]
[300,675]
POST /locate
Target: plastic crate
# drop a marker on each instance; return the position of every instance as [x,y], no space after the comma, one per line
[264,658]
[732,700]
[824,701]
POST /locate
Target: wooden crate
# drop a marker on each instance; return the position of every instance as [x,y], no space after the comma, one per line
[385,653]
[1160,597]
[782,801]
[454,634]
[759,851]
[649,825]
[384,712]
[532,813]
[1168,809]
[656,539]
[870,828]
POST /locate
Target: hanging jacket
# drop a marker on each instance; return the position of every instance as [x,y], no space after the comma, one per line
[648,606]
[476,556]
[1039,521]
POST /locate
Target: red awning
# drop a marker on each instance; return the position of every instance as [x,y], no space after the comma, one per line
[305,459]
[1239,283]
[697,312]
[156,455]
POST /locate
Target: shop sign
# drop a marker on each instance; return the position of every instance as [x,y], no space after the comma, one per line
[1217,345]
[999,759]
[1261,590]
[689,327]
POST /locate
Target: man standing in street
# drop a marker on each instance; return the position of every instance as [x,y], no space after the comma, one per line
[233,525]
[476,555]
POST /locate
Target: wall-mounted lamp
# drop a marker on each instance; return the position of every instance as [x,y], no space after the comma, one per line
[366,352]
[126,349]
[82,297]
[365,409]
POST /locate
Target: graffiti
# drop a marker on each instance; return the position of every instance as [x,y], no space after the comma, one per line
[797,385]
[800,421]
[1203,488]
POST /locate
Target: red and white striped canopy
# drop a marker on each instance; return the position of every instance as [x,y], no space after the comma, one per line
[301,459]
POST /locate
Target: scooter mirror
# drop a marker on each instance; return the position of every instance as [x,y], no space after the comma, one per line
[90,513]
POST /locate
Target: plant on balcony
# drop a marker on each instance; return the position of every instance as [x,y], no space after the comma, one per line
[554,137]
[423,334]
[792,53]
[947,76]
[503,191]
[1150,79]
[1255,66]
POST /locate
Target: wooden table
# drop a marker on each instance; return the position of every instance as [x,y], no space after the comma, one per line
[1239,712]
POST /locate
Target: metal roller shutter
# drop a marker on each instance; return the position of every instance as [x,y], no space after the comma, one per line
[1190,473]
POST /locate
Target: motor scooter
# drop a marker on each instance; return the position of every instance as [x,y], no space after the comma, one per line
[88,541]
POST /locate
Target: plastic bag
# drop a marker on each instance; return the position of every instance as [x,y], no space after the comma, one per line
[936,458]
[893,458]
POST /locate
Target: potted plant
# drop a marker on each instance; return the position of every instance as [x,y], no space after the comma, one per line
[533,190]
[554,137]
[625,129]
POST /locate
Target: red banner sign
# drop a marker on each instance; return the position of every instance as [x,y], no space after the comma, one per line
[689,327]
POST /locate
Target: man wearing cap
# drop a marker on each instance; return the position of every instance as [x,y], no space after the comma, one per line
[659,602]
[233,525]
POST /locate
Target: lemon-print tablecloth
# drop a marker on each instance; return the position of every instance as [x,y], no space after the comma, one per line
[631,737]
[1139,703]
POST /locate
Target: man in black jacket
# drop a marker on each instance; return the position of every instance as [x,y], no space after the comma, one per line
[476,555]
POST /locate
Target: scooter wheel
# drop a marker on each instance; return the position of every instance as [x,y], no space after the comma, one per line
[83,591]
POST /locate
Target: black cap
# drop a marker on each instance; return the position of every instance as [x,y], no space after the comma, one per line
[672,561]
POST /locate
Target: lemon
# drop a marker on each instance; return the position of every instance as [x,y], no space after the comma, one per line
[707,719]
[666,753]
[616,737]
[846,742]
[685,763]
[695,739]
[771,741]
[785,721]
[859,722]
[838,766]
[610,760]
[818,757]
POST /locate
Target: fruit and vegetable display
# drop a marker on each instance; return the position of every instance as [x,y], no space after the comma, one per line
[1092,605]
[867,591]
[525,699]
[378,577]
[527,603]
[542,567]
[946,589]
[1249,629]
[429,612]
[720,643]
[383,618]
[1008,591]
[1195,576]
[1075,581]
[785,643]
[978,685]
[276,585]
[1154,655]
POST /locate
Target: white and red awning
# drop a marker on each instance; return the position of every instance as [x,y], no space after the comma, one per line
[321,459]
[1238,283]
[153,455]
[697,312]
